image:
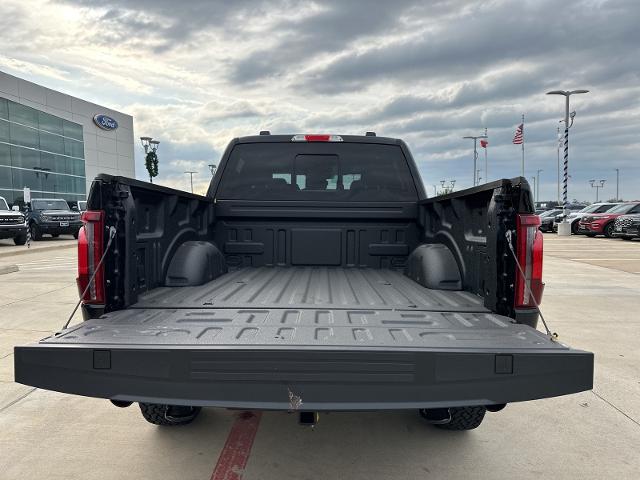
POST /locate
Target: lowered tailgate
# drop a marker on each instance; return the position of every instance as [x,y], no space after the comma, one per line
[328,359]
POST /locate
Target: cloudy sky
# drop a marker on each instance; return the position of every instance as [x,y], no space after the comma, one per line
[196,73]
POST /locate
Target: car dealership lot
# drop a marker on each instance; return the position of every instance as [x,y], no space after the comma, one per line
[591,299]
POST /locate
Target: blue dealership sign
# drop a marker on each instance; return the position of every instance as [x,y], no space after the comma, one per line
[105,122]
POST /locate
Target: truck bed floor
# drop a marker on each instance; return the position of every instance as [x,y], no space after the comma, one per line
[315,307]
[312,287]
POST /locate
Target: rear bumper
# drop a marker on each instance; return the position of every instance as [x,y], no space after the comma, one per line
[323,379]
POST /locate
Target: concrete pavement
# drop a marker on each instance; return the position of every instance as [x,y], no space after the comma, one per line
[9,250]
[591,299]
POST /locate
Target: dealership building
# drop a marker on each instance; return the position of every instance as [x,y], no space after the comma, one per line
[55,144]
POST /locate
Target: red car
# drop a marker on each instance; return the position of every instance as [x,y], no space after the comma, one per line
[603,223]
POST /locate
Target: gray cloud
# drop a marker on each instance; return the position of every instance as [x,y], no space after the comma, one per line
[201,72]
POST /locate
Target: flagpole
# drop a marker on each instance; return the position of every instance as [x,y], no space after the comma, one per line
[523,144]
[486,164]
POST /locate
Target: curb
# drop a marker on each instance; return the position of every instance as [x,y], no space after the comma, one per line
[8,269]
[26,250]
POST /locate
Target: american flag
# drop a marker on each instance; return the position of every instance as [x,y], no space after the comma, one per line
[518,137]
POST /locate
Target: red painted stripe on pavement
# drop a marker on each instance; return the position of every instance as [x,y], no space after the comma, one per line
[235,453]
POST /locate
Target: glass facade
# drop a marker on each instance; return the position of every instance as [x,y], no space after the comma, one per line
[40,151]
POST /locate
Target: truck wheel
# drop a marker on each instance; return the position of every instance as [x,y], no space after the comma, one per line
[20,239]
[608,230]
[168,415]
[462,418]
[36,234]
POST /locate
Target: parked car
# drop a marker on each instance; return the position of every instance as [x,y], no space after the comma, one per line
[574,217]
[627,227]
[604,223]
[13,223]
[315,275]
[52,216]
[547,218]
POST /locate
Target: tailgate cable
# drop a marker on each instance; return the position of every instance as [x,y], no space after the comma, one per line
[112,234]
[552,336]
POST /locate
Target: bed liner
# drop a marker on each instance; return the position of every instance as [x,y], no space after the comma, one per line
[304,287]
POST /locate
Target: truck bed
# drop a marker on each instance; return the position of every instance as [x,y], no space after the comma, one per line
[335,338]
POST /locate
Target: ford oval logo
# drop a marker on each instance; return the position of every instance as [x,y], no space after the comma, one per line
[105,122]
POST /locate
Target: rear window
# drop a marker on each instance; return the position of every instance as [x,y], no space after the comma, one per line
[317,171]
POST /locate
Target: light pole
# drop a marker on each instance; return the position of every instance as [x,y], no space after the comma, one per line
[151,158]
[535,196]
[597,187]
[478,176]
[564,227]
[617,183]
[212,169]
[190,172]
[559,141]
[538,185]
[475,154]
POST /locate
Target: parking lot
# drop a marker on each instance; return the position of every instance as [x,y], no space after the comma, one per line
[591,300]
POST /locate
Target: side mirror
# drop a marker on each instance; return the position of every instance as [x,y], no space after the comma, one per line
[15,208]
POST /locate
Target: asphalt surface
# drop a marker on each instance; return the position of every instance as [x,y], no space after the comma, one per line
[591,299]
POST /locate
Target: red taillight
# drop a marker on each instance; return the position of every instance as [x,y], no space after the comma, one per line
[90,247]
[529,253]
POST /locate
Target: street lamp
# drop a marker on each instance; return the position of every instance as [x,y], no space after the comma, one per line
[564,228]
[535,199]
[212,168]
[475,154]
[190,172]
[617,183]
[597,187]
[538,185]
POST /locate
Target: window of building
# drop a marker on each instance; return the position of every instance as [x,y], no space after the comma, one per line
[40,151]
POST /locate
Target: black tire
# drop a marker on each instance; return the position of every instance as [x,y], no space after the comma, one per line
[168,415]
[75,235]
[574,228]
[20,239]
[55,235]
[36,234]
[464,418]
[608,229]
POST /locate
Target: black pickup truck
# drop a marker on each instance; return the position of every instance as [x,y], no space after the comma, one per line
[315,275]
